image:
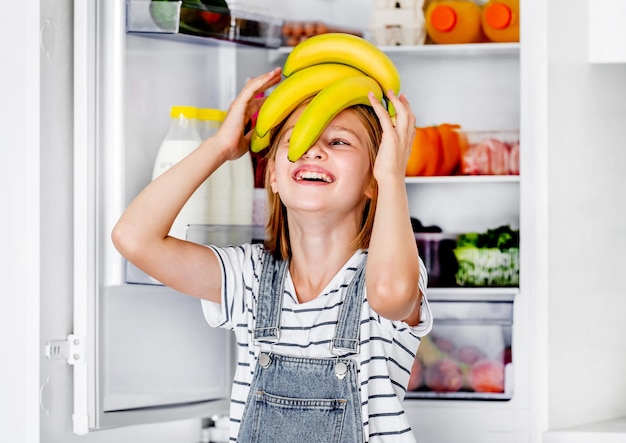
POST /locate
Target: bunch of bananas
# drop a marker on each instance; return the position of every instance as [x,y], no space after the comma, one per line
[338,70]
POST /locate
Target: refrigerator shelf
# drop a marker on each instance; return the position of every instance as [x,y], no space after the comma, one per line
[210,25]
[219,235]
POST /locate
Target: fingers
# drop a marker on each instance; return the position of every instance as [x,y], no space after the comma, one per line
[247,103]
[404,115]
[256,85]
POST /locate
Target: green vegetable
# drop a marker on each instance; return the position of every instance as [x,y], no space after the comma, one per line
[502,238]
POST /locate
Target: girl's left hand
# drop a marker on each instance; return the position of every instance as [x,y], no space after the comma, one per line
[397,139]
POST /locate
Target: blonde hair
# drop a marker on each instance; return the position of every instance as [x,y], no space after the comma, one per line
[277,228]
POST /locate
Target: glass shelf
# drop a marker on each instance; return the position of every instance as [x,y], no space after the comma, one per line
[463,179]
[170,20]
[471,50]
[473,293]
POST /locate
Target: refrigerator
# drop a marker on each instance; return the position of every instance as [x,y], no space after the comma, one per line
[142,353]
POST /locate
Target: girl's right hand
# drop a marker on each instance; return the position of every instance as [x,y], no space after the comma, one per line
[231,138]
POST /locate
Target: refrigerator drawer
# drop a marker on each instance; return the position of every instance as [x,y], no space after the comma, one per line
[468,353]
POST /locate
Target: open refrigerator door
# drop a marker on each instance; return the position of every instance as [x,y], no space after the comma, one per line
[144,353]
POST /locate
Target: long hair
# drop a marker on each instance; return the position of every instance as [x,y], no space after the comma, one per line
[277,235]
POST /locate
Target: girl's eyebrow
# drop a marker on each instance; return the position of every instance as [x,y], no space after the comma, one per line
[342,129]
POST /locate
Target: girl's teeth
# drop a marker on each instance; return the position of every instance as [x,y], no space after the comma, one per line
[309,175]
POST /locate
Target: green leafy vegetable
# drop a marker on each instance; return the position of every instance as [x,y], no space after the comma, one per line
[503,238]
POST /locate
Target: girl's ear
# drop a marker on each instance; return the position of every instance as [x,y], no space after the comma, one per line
[271,171]
[369,188]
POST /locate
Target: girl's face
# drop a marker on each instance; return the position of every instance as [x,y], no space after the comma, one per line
[333,174]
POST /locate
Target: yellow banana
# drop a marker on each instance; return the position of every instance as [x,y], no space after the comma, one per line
[347,49]
[293,90]
[258,143]
[329,102]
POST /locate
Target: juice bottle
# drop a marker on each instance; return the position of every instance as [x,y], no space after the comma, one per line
[180,140]
[221,181]
[454,21]
[500,20]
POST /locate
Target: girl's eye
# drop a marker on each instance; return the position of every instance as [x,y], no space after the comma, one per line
[336,141]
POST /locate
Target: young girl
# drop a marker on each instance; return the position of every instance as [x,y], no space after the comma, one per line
[328,313]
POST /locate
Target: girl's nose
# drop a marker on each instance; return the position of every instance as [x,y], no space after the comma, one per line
[314,152]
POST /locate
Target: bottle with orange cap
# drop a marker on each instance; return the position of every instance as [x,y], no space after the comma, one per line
[500,20]
[454,21]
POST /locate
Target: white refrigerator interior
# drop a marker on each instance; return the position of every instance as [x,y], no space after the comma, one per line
[150,356]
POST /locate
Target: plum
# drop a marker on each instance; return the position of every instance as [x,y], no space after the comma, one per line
[415,380]
[444,375]
[468,354]
[507,355]
[487,375]
[444,344]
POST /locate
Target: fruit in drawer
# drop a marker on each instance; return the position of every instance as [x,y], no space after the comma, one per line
[417,373]
[444,375]
[487,375]
[468,354]
[429,352]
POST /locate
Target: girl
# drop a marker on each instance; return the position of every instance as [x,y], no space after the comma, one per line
[327,314]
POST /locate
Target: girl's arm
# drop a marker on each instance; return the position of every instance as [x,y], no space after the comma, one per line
[141,234]
[392,273]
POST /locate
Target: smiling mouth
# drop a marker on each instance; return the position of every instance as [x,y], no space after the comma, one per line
[313,177]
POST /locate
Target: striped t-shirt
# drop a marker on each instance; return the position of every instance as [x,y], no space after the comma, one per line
[386,353]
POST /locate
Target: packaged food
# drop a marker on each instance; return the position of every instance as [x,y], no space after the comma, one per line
[489,152]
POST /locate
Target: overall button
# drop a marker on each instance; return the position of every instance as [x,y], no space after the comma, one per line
[341,369]
[264,360]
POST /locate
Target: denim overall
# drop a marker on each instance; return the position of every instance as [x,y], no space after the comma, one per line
[302,399]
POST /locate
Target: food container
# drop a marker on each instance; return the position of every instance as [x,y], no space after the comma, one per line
[487,266]
[489,258]
[236,24]
[468,353]
[437,252]
[489,152]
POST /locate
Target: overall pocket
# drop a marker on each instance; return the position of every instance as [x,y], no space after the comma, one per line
[279,419]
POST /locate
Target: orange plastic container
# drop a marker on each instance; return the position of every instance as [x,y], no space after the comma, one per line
[454,21]
[500,20]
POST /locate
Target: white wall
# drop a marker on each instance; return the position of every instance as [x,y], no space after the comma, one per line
[587,225]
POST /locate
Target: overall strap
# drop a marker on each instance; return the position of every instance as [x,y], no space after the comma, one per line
[270,299]
[346,338]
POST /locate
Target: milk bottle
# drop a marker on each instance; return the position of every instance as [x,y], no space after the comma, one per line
[180,140]
[221,181]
